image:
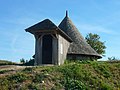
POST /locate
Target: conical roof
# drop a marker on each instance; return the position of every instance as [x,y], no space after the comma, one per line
[79,45]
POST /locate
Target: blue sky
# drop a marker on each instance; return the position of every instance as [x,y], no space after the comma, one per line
[96,16]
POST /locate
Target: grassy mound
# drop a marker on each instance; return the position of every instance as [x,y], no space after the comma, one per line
[5,62]
[70,76]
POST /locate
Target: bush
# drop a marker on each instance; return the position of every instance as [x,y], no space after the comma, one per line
[72,84]
[30,62]
[113,58]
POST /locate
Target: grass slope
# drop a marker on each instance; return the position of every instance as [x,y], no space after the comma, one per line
[70,76]
[5,62]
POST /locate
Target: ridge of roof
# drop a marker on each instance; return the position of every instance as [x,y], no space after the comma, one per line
[43,25]
[47,25]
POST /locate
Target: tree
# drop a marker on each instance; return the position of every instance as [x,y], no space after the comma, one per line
[113,58]
[22,61]
[94,41]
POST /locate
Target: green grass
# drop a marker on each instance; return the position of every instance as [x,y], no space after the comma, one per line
[5,71]
[70,76]
[5,62]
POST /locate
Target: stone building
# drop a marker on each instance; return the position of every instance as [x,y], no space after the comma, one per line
[56,43]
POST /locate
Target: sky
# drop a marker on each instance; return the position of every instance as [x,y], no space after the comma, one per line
[100,17]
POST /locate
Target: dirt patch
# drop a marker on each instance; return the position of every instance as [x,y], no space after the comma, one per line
[11,69]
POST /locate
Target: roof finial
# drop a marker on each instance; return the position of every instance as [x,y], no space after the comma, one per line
[66,13]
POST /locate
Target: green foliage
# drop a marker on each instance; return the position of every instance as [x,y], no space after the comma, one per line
[39,78]
[91,75]
[30,62]
[106,86]
[72,84]
[112,58]
[4,71]
[22,61]
[19,77]
[4,84]
[94,41]
[27,62]
[73,78]
[102,69]
[28,69]
[5,62]
[33,86]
